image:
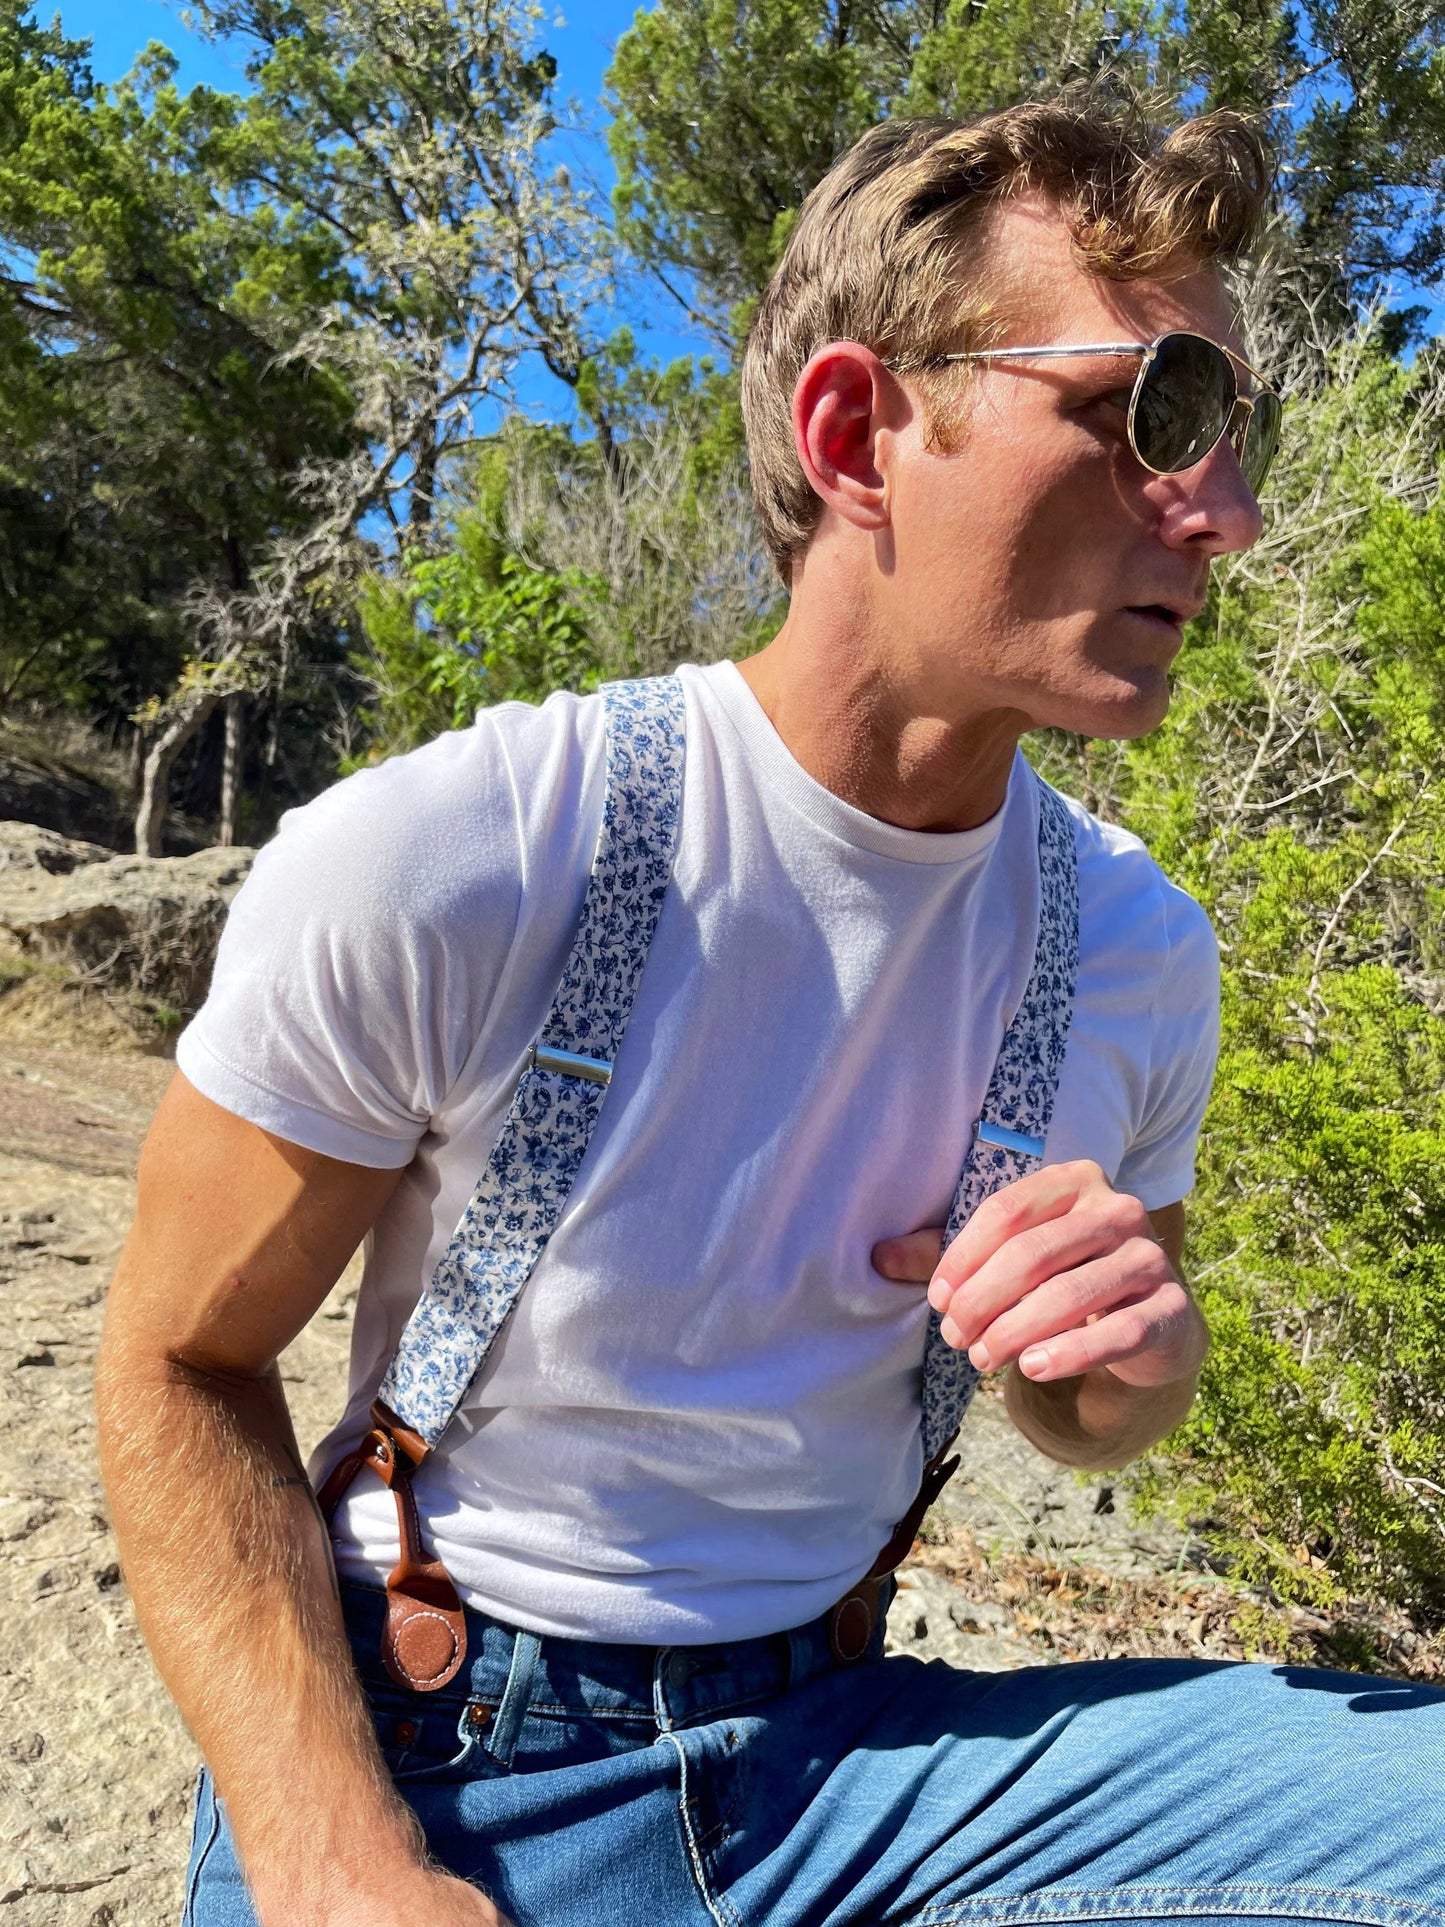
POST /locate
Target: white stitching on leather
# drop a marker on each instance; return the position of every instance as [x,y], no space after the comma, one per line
[411,1620]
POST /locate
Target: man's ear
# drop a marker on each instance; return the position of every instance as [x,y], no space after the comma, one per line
[844,400]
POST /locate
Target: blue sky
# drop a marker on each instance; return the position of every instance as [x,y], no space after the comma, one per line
[120,28]
[582,44]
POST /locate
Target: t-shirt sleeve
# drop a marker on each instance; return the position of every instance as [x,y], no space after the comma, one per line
[1158,1167]
[357,964]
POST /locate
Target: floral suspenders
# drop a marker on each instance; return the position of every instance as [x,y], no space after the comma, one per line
[524,1189]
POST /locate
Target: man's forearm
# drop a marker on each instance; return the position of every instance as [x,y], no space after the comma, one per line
[1095,1422]
[227,1560]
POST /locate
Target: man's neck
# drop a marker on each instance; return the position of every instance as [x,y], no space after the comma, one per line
[857,731]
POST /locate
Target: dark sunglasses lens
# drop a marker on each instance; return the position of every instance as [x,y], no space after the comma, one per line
[1261,439]
[1185,400]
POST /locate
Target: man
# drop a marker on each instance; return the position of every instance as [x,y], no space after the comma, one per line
[994,456]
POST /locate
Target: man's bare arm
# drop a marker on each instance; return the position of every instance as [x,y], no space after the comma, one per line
[238,1237]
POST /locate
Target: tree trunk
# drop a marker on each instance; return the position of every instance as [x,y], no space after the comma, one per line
[423,484]
[170,740]
[231,761]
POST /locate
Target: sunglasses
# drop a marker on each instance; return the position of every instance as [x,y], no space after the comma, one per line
[1186,398]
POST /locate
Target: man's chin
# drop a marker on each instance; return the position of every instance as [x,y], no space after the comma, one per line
[1129,707]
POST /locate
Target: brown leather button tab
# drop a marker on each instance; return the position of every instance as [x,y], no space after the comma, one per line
[423,1646]
[424,1640]
[851,1628]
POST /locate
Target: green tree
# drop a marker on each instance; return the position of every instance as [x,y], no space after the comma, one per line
[558,564]
[473,624]
[416,137]
[290,307]
[413,139]
[725,116]
[158,430]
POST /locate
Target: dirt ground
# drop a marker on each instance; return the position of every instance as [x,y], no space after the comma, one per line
[96,1769]
[1022,1564]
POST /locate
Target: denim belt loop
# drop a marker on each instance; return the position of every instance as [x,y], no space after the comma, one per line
[516,1698]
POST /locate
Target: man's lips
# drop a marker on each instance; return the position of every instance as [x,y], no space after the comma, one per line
[1158,617]
[1176,611]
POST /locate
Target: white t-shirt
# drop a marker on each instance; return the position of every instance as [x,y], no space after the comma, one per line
[701,1421]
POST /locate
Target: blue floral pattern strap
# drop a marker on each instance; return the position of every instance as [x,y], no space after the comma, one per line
[1008,1140]
[524,1189]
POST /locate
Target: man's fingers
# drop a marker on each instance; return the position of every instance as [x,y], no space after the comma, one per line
[1145,1343]
[1022,1206]
[910,1259]
[1052,1269]
[1117,1335]
[1103,1313]
[1067,1296]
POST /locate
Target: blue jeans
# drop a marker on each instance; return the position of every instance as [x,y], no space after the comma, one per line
[758,1784]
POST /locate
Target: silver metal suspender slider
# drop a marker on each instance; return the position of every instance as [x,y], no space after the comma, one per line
[570,1063]
[1008,1140]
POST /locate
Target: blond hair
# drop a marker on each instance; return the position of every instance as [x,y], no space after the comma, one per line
[886,249]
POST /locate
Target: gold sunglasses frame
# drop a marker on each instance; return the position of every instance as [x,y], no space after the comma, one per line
[1236,426]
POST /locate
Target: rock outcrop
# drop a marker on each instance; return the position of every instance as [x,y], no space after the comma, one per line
[147,924]
[29,846]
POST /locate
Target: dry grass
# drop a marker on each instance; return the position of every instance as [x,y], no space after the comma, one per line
[1073,1612]
[42,1003]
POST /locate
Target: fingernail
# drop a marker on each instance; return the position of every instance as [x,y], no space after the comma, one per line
[939,1294]
[978,1356]
[1035,1361]
[951,1334]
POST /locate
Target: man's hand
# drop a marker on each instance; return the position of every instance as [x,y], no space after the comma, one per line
[1072,1281]
[406,1897]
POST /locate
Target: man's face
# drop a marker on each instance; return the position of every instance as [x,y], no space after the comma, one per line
[1040,567]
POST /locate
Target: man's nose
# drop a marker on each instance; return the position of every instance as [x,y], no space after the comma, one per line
[1210,508]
